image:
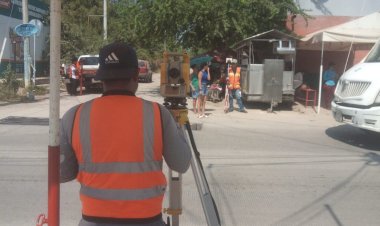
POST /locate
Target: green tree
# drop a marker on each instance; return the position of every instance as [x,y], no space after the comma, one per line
[217,24]
[9,85]
[152,25]
[81,27]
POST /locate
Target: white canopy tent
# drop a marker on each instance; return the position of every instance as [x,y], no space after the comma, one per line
[341,37]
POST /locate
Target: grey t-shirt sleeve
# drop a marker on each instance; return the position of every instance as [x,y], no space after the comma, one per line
[177,152]
[68,160]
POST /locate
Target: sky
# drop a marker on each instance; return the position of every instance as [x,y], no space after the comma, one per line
[339,7]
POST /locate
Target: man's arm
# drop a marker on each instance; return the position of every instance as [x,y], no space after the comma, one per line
[68,160]
[177,152]
[325,75]
[200,79]
[192,87]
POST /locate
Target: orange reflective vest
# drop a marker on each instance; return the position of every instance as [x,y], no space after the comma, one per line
[119,152]
[78,66]
[234,79]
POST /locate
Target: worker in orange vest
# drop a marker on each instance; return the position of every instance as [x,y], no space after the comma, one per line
[114,146]
[74,76]
[233,85]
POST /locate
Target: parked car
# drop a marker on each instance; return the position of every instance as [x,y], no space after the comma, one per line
[90,64]
[86,66]
[145,72]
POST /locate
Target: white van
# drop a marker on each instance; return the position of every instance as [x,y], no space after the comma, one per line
[357,95]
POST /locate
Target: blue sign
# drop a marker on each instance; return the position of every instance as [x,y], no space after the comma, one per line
[25,30]
[38,24]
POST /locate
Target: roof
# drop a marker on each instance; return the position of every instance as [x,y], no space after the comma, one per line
[362,30]
[268,35]
[302,27]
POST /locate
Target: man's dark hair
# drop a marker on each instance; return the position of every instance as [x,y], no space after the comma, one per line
[203,65]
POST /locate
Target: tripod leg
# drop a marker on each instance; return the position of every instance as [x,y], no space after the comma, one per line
[175,182]
[175,197]
[204,195]
[208,205]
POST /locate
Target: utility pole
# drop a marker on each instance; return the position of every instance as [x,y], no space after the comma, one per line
[53,153]
[25,19]
[105,19]
[53,218]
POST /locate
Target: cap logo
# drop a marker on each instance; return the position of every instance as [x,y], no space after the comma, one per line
[112,59]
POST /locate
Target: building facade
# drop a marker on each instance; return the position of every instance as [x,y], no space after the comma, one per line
[325,14]
[12,45]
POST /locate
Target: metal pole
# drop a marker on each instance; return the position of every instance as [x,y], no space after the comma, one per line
[320,78]
[34,60]
[53,155]
[105,19]
[14,43]
[348,56]
[25,19]
[2,48]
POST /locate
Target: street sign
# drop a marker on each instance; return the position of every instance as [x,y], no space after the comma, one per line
[38,24]
[26,30]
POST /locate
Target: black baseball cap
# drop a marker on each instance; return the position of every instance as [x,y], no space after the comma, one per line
[117,61]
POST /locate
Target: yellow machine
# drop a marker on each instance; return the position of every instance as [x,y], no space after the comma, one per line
[174,87]
[175,78]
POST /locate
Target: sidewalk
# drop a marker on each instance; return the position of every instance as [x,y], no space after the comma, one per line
[298,113]
[214,110]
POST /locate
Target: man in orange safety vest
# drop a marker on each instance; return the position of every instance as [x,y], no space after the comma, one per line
[74,77]
[114,146]
[233,85]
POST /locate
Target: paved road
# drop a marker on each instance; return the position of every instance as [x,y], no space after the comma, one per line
[283,168]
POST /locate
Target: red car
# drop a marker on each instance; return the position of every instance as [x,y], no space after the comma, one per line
[145,72]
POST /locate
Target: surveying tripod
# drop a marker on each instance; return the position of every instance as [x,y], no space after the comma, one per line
[178,109]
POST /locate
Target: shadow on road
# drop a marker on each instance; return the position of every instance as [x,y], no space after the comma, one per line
[22,100]
[93,91]
[25,121]
[266,106]
[332,197]
[151,92]
[354,136]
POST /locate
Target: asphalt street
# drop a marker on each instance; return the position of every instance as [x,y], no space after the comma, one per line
[290,167]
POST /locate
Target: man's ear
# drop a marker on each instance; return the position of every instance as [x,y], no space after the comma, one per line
[135,77]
